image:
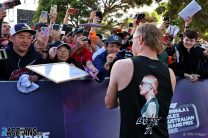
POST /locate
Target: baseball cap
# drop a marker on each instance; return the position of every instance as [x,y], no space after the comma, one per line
[65,45]
[21,27]
[56,44]
[39,25]
[78,30]
[114,39]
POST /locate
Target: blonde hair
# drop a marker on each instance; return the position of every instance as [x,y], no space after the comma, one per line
[152,36]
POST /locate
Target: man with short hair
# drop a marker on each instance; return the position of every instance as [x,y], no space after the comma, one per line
[4,29]
[20,53]
[106,59]
[125,87]
[188,58]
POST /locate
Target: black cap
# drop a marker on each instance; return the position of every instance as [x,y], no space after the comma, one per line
[39,25]
[78,30]
[65,45]
[114,39]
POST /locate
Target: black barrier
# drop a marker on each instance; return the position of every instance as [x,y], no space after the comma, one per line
[76,109]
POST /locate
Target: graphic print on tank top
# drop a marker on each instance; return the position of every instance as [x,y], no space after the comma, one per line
[149,112]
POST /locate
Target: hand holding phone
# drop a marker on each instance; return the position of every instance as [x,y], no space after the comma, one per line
[10,4]
[45,31]
[166,20]
[43,17]
[2,13]
[91,72]
[52,52]
[131,25]
[53,9]
[99,14]
[92,15]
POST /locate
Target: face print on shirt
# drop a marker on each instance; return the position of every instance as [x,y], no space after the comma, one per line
[149,112]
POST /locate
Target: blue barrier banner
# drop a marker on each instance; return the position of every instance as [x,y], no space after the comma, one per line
[76,109]
[41,109]
[188,114]
[86,115]
[85,112]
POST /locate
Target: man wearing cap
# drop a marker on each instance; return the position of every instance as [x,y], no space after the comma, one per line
[20,53]
[105,60]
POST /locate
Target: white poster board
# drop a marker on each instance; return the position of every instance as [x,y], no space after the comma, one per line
[58,72]
[192,8]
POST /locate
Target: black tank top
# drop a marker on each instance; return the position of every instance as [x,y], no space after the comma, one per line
[144,103]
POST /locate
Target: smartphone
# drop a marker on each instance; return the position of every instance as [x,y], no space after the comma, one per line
[72,11]
[43,17]
[53,9]
[67,28]
[56,27]
[44,31]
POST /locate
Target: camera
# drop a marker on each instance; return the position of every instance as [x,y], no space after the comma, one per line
[99,14]
[56,27]
[67,28]
[131,25]
[9,5]
[139,16]
[166,19]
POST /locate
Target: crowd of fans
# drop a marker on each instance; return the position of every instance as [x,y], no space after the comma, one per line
[85,48]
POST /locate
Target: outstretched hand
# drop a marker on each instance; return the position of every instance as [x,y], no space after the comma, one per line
[2,13]
[188,21]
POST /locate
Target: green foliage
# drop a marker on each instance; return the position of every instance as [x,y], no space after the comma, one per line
[112,10]
[83,6]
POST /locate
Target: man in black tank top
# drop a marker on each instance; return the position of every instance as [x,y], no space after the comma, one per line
[143,87]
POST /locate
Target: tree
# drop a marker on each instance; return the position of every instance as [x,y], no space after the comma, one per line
[199,22]
[112,9]
[83,6]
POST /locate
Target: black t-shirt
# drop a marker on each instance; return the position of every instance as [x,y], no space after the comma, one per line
[144,103]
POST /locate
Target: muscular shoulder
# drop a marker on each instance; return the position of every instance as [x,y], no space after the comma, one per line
[122,72]
[123,65]
[173,79]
